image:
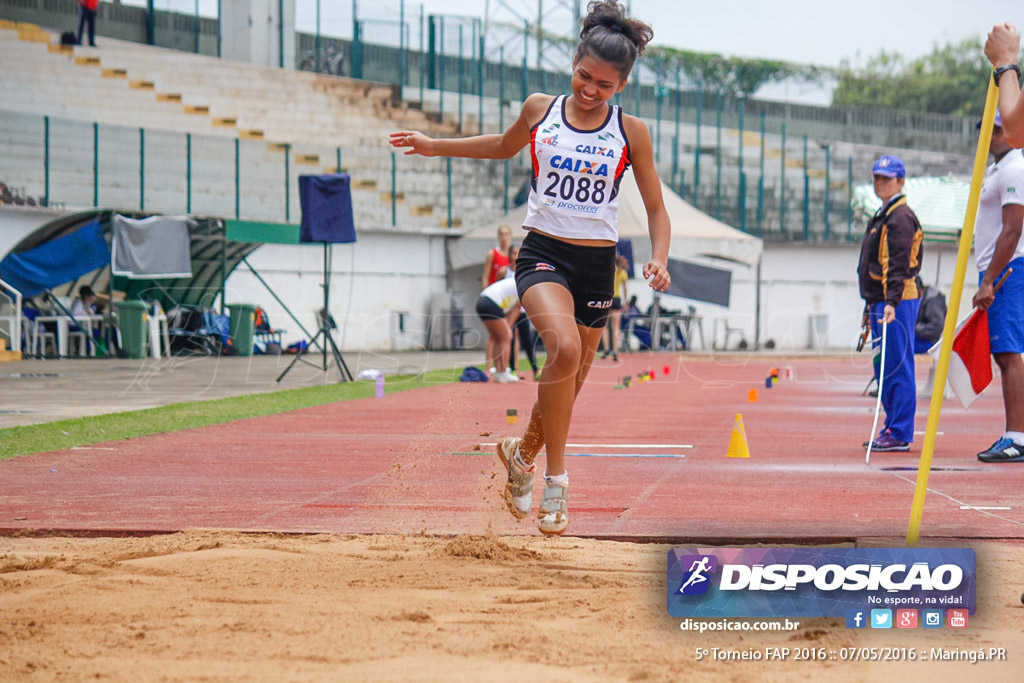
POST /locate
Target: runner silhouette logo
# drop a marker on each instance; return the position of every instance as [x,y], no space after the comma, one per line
[699,568]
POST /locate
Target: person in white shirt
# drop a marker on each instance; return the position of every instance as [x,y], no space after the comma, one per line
[498,308]
[999,247]
[87,302]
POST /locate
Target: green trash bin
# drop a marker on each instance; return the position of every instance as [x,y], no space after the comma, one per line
[131,321]
[242,327]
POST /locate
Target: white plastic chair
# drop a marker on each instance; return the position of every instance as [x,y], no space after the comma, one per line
[40,339]
[80,339]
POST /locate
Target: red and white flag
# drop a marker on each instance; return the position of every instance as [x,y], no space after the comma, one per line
[970,364]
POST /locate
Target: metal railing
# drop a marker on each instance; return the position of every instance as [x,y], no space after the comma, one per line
[163,171]
[14,326]
[451,75]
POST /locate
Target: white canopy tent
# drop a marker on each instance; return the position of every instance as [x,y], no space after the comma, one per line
[939,203]
[695,237]
[694,233]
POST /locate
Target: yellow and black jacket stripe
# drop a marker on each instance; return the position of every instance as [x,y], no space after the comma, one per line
[890,256]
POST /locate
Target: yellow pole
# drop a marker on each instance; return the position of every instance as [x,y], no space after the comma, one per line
[949,329]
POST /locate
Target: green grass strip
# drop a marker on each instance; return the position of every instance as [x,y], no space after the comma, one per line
[85,431]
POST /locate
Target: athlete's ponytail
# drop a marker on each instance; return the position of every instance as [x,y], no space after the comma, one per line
[609,35]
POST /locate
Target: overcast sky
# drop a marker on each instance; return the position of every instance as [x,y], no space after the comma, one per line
[819,32]
[810,31]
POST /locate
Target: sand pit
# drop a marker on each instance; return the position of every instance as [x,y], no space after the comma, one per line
[215,605]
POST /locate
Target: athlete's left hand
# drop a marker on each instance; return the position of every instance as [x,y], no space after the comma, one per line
[658,273]
[985,295]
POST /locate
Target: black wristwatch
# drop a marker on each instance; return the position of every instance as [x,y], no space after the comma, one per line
[996,73]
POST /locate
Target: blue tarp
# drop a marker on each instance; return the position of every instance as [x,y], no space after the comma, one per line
[57,262]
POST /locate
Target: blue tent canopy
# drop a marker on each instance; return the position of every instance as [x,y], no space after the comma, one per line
[58,261]
[213,260]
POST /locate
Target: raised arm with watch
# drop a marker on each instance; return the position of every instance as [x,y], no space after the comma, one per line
[1003,50]
[998,72]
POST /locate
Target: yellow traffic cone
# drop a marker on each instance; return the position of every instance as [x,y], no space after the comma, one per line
[738,441]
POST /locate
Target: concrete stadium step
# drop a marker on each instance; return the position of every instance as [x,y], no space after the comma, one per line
[6,355]
[272,106]
[221,72]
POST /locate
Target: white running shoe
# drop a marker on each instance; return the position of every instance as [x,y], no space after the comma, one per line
[518,493]
[553,513]
[505,377]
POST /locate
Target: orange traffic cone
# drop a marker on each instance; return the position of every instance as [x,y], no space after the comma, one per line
[738,441]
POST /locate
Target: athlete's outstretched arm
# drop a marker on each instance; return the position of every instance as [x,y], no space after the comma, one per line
[658,223]
[493,146]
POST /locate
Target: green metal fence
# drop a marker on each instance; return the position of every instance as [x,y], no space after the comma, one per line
[64,163]
[445,63]
[155,170]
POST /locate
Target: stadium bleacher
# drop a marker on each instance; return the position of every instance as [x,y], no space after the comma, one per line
[125,87]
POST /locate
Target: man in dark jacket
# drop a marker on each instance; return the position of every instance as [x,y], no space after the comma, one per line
[890,259]
[930,318]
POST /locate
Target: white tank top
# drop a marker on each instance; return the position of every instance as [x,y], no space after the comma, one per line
[574,191]
[503,292]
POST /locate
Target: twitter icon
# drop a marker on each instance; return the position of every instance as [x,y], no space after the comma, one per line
[881,618]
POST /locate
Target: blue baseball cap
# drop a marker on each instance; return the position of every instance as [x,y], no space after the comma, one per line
[997,122]
[889,166]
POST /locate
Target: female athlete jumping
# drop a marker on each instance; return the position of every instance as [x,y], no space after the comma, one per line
[580,146]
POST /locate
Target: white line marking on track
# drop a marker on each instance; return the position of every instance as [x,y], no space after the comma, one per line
[625,455]
[959,502]
[982,507]
[618,445]
[678,456]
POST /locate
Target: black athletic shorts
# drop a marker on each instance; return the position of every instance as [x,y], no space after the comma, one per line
[587,272]
[616,304]
[488,309]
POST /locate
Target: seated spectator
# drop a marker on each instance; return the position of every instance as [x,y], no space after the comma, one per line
[666,332]
[32,309]
[631,315]
[87,302]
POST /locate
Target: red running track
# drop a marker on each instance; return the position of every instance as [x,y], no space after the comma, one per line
[407,463]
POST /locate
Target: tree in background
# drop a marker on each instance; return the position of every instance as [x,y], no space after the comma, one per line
[737,76]
[950,80]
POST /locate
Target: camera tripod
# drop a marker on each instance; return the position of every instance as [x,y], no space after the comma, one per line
[325,322]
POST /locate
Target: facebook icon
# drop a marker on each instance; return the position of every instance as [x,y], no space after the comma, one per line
[856,618]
